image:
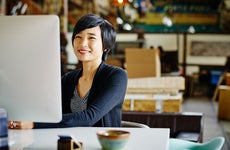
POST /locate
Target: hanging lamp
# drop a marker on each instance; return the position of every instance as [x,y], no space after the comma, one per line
[120,2]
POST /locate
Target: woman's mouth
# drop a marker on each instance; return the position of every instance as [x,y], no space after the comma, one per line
[82,51]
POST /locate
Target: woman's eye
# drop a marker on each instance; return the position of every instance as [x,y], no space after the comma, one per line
[77,37]
[92,37]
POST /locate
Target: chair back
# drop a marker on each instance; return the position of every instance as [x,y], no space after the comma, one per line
[214,144]
[129,124]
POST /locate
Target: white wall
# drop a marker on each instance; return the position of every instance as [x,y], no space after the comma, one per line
[176,41]
[71,56]
[169,42]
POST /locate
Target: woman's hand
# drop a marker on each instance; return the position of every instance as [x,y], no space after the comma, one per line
[20,125]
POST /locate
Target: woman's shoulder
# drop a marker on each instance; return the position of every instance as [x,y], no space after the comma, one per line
[113,69]
[72,74]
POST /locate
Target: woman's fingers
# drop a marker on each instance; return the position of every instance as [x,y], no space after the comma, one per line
[13,124]
[20,125]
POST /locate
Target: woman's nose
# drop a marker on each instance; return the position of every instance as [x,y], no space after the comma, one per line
[84,42]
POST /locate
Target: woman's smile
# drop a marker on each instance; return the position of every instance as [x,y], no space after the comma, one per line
[83,51]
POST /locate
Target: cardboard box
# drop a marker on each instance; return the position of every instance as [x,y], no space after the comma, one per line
[142,62]
[115,61]
[224,102]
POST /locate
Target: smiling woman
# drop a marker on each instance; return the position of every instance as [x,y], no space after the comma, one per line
[92,95]
[88,45]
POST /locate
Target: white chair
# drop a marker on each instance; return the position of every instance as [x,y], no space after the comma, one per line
[213,144]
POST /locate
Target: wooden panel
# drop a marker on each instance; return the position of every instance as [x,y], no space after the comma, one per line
[224,102]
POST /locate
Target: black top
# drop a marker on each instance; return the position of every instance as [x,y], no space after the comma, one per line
[104,107]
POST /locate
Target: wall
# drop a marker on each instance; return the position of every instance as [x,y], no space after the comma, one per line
[171,41]
[168,41]
[71,56]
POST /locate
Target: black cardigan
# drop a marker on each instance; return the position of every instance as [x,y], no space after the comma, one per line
[104,106]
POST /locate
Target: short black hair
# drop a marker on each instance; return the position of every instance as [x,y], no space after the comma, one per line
[108,33]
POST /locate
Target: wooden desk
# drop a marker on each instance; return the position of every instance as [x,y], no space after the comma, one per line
[46,139]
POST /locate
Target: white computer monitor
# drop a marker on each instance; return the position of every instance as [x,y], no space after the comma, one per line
[30,76]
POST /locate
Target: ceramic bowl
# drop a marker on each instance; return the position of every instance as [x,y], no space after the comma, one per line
[113,139]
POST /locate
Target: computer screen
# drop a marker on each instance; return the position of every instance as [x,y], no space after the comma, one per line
[30,76]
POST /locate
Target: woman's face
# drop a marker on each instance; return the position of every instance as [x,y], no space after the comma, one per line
[88,45]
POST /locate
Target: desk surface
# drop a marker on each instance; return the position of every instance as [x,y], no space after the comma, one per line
[141,138]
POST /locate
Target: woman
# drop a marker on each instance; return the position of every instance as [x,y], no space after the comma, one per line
[94,94]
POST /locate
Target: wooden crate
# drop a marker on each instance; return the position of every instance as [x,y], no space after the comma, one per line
[147,104]
[172,106]
[155,85]
[126,105]
[139,105]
